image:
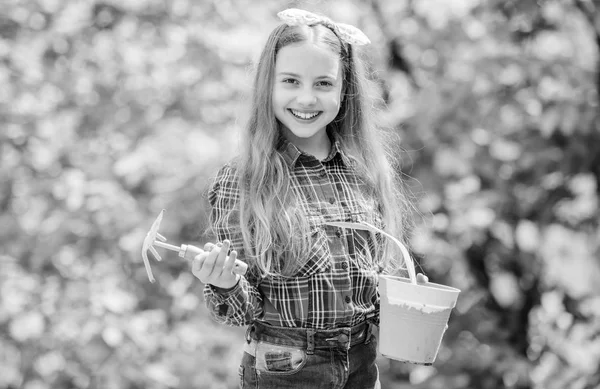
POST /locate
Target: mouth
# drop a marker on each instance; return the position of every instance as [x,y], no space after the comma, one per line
[305,116]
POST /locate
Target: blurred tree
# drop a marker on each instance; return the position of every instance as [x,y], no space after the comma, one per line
[510,131]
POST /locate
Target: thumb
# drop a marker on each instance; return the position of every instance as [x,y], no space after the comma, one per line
[422,278]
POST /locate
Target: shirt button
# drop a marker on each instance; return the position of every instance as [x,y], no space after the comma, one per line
[344,265]
[331,200]
[338,233]
[323,173]
[347,299]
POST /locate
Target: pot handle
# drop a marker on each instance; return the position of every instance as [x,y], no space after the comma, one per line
[362,225]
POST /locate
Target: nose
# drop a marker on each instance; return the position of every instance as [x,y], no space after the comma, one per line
[306,98]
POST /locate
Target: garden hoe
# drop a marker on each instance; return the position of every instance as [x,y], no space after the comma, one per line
[185,250]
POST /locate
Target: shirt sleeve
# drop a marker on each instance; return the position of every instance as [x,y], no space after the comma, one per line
[242,304]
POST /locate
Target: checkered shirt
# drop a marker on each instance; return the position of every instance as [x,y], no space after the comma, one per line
[337,287]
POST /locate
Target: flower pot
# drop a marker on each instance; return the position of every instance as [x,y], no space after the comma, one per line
[413,318]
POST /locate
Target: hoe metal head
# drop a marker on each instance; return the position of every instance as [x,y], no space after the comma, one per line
[148,244]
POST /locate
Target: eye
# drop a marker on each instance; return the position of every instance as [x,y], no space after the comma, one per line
[289,81]
[325,84]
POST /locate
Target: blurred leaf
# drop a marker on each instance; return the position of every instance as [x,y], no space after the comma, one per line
[505,288]
[570,261]
[527,236]
[27,326]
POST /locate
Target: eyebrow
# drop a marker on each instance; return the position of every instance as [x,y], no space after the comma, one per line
[298,76]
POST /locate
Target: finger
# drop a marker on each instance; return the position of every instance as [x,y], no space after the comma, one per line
[220,261]
[207,270]
[198,262]
[208,246]
[422,278]
[230,263]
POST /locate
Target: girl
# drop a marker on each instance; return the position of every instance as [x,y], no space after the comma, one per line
[311,155]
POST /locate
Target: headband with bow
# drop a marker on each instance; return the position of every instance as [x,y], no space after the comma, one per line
[347,33]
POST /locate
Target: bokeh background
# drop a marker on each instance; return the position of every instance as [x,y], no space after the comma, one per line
[113,110]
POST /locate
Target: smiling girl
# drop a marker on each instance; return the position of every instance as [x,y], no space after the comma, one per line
[311,155]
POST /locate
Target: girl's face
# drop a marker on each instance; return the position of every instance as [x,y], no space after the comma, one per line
[306,92]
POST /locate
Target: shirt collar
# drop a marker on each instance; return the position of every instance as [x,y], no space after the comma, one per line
[291,153]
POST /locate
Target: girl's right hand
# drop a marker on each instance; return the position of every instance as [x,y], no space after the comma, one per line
[214,267]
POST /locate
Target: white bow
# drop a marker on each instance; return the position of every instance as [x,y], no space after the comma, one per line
[346,32]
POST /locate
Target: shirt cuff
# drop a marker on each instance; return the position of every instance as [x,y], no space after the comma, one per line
[224,294]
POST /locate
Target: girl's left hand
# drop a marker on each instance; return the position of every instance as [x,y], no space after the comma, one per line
[422,278]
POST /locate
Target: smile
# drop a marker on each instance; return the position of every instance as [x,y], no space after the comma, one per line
[305,115]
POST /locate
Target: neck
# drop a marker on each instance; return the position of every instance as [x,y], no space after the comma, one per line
[319,147]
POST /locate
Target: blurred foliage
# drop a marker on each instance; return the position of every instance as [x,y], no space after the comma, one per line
[112,110]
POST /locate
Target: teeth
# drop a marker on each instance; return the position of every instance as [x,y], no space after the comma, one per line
[304,115]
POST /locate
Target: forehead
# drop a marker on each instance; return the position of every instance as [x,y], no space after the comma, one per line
[308,60]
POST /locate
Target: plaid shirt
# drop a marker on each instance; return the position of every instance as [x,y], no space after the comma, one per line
[338,285]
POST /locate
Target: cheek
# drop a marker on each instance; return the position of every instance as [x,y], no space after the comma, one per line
[340,97]
[336,101]
[280,96]
[276,97]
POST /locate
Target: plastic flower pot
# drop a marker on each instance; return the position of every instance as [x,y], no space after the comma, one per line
[413,317]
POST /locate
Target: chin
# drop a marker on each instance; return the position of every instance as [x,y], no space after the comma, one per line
[302,133]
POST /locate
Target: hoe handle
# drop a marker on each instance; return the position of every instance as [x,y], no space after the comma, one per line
[188,251]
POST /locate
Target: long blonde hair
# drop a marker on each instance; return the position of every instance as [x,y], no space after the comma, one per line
[274,230]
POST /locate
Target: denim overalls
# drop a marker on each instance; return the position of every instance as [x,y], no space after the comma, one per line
[278,357]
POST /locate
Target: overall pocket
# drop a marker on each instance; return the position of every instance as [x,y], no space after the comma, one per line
[278,359]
